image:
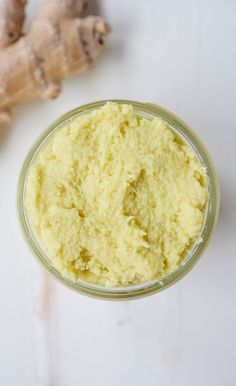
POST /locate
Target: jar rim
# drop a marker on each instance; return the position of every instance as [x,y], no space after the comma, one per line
[211,212]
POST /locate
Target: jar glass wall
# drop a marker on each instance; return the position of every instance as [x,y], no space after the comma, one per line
[149,111]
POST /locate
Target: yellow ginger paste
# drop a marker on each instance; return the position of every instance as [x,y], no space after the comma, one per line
[116,199]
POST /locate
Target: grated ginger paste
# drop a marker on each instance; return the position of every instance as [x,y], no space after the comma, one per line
[116,199]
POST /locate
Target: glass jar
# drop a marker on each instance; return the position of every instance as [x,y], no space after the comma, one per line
[211,211]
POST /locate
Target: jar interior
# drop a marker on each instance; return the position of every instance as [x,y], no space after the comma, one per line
[210,213]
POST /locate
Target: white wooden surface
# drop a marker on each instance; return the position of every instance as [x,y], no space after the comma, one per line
[182,55]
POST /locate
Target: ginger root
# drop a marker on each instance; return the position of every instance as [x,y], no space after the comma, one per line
[12,17]
[57,45]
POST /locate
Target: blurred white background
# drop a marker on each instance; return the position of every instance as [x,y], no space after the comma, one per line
[181,55]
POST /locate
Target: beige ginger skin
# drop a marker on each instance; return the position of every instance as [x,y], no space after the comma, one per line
[58,44]
[11,23]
